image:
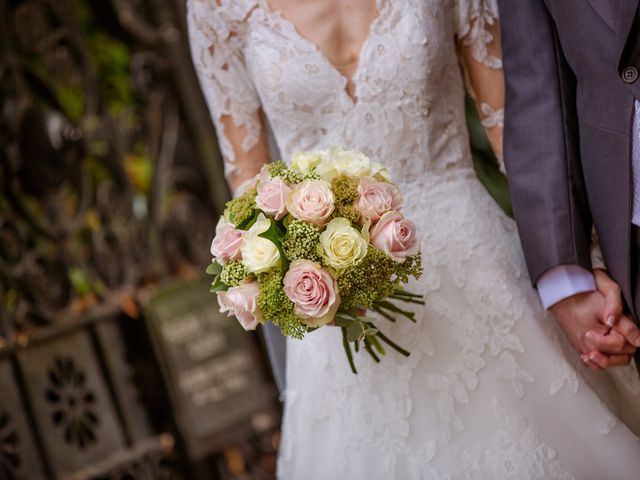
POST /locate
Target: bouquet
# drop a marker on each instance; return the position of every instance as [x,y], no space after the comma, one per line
[316,243]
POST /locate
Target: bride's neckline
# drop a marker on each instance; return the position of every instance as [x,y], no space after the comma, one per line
[352,80]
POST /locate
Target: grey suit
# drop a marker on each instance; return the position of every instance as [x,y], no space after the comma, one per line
[571,80]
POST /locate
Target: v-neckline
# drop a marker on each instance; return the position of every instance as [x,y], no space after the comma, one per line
[353,79]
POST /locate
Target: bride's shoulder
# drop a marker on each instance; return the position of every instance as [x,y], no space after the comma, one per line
[223,17]
[229,10]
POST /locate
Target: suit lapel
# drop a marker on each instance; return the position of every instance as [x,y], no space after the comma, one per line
[624,12]
[603,9]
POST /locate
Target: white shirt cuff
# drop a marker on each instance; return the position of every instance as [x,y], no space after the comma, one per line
[563,282]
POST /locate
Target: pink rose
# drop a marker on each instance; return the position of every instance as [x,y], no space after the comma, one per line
[242,303]
[395,236]
[226,244]
[272,197]
[377,198]
[311,201]
[314,292]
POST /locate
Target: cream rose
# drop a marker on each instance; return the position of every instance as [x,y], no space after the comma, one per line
[259,254]
[395,236]
[341,245]
[377,198]
[242,303]
[227,243]
[349,162]
[272,197]
[311,201]
[305,161]
[313,291]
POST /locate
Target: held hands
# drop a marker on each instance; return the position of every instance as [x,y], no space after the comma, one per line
[596,326]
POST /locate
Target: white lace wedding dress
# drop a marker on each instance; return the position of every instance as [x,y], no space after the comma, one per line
[491,389]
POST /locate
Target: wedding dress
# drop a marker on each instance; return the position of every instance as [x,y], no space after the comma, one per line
[492,388]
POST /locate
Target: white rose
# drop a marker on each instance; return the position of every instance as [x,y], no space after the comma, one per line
[350,162]
[259,254]
[341,245]
[305,161]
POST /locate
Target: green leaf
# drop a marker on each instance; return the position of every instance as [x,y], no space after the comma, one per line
[342,322]
[248,223]
[214,269]
[275,235]
[80,281]
[354,332]
[370,332]
[376,344]
[287,221]
[218,286]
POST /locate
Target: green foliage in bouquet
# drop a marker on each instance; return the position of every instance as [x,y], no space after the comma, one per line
[234,273]
[376,277]
[241,210]
[345,192]
[301,242]
[281,169]
[276,306]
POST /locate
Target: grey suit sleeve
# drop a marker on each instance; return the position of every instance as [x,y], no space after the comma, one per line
[541,141]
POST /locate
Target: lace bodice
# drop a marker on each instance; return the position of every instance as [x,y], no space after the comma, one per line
[491,389]
[409,90]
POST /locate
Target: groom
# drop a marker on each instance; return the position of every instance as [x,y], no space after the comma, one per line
[572,149]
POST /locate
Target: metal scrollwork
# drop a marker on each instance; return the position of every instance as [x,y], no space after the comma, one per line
[73,403]
[10,460]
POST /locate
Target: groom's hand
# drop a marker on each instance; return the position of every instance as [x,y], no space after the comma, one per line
[614,307]
[624,330]
[581,317]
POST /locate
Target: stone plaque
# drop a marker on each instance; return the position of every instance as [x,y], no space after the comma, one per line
[19,459]
[71,405]
[214,375]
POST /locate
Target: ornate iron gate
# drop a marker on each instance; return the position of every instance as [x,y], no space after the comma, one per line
[110,180]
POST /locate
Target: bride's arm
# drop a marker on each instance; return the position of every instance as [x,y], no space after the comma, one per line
[216,38]
[247,162]
[478,41]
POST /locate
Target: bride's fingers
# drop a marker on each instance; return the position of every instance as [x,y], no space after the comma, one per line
[612,297]
[585,359]
[628,330]
[613,342]
[609,361]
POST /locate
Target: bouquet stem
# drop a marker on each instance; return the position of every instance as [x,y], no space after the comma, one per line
[347,349]
[393,345]
[367,346]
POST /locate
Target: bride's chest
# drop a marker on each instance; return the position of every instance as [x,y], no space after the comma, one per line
[408,49]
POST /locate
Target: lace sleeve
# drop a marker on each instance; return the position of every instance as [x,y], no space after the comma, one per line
[478,38]
[216,37]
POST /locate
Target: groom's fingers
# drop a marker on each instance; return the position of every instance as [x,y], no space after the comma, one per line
[613,342]
[628,330]
[609,361]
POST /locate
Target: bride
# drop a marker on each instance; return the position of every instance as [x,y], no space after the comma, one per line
[492,388]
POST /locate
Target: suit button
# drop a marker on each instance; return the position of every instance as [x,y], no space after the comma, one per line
[630,74]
